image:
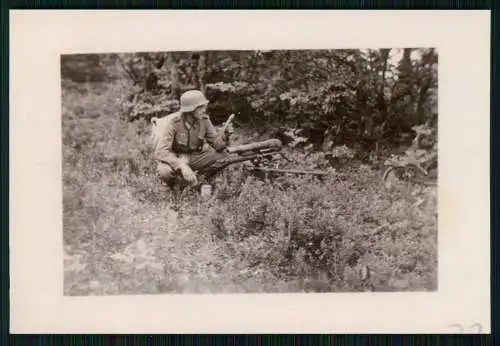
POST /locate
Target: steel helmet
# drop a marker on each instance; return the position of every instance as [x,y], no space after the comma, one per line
[192,99]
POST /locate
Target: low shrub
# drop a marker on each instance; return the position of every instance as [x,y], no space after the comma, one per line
[336,228]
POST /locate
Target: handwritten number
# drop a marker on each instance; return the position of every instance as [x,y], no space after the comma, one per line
[459,326]
[476,326]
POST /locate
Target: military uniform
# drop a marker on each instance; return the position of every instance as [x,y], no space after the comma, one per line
[179,142]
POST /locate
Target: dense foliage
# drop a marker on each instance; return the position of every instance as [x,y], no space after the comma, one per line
[358,98]
[125,233]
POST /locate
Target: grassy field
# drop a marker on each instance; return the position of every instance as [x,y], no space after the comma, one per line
[124,233]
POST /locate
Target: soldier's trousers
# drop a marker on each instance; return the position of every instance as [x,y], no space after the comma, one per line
[196,161]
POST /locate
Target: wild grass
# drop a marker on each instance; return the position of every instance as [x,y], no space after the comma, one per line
[125,233]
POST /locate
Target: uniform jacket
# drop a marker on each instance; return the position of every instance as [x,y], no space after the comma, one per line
[174,136]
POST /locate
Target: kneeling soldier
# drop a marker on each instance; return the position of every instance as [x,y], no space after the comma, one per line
[179,139]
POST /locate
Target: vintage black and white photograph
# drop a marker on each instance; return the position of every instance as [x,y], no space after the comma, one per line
[278,171]
[252,171]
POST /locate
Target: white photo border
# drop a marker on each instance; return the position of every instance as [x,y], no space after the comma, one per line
[38,38]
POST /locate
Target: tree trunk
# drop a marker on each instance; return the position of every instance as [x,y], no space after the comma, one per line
[174,76]
[381,100]
[202,67]
[422,99]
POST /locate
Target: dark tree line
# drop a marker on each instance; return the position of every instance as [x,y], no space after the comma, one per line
[354,97]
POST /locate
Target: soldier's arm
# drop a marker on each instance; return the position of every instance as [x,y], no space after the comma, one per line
[163,148]
[216,140]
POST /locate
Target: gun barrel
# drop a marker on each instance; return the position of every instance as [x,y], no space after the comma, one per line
[270,143]
[292,171]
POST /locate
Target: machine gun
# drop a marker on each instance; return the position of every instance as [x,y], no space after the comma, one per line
[262,158]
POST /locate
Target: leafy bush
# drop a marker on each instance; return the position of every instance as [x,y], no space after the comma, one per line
[351,97]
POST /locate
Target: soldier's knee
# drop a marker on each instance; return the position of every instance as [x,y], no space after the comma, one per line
[164,171]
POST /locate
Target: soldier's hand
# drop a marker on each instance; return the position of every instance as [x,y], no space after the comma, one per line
[189,175]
